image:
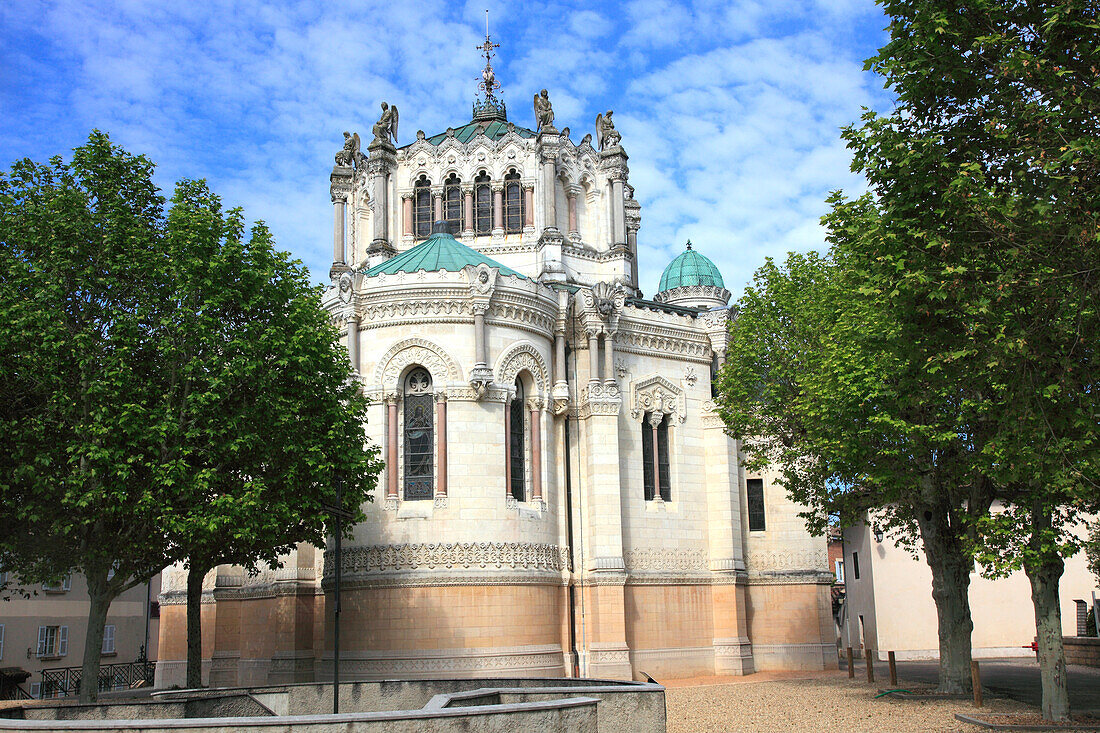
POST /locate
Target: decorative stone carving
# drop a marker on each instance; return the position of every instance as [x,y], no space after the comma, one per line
[416,351]
[482,279]
[659,396]
[345,283]
[519,357]
[351,155]
[788,560]
[620,369]
[386,127]
[690,376]
[656,559]
[606,135]
[456,556]
[544,112]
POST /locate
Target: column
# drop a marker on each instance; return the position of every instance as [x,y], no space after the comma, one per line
[655,419]
[618,217]
[559,357]
[380,199]
[536,451]
[572,210]
[468,226]
[479,336]
[498,208]
[391,449]
[609,358]
[594,356]
[529,206]
[507,449]
[549,203]
[437,205]
[407,214]
[353,343]
[632,245]
[441,443]
[338,229]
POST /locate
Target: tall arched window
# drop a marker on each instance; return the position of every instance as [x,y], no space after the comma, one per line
[483,204]
[656,476]
[513,203]
[419,434]
[452,204]
[422,207]
[516,448]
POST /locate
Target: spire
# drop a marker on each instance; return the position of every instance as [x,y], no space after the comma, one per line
[489,108]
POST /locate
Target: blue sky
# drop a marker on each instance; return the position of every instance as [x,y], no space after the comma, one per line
[730,111]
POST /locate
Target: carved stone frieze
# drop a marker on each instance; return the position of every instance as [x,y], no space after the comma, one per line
[432,357]
[655,394]
[519,357]
[786,560]
[656,559]
[448,556]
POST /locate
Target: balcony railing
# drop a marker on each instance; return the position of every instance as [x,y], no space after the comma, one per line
[65,681]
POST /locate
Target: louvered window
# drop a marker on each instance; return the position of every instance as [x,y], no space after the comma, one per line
[513,203]
[419,434]
[483,204]
[452,204]
[422,208]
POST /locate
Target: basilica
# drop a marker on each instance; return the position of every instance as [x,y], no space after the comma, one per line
[560,497]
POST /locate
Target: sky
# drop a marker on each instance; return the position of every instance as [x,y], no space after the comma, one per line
[730,110]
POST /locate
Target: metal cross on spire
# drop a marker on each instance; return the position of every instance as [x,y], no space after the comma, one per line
[489,82]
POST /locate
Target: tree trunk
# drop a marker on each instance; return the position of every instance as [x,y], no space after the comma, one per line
[99,603]
[1044,578]
[950,567]
[195,575]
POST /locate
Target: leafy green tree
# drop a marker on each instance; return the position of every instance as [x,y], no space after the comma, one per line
[176,389]
[827,385]
[1092,550]
[985,185]
[265,411]
[81,479]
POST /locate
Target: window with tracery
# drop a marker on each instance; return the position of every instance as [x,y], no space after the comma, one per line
[483,204]
[516,448]
[419,404]
[422,207]
[656,475]
[452,204]
[513,203]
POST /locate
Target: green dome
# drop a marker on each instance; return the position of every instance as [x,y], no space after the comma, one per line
[690,268]
[441,251]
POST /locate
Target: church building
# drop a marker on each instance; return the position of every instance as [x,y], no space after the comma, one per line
[560,497]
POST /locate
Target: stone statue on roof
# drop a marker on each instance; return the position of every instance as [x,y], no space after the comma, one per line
[350,154]
[386,127]
[544,113]
[606,134]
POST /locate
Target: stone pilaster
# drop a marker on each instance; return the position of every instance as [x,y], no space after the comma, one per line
[380,165]
[613,165]
[339,190]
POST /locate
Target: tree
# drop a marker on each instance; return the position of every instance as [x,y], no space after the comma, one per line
[825,384]
[265,412]
[985,199]
[81,477]
[173,387]
[1092,550]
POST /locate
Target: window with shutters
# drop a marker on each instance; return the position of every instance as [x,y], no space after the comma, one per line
[513,203]
[53,641]
[755,496]
[419,412]
[516,448]
[108,639]
[483,204]
[452,204]
[64,586]
[656,474]
[422,207]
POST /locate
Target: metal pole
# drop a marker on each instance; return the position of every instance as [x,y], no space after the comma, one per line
[336,608]
[893,671]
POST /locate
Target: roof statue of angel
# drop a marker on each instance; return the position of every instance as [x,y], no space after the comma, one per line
[606,134]
[544,113]
[349,155]
[386,127]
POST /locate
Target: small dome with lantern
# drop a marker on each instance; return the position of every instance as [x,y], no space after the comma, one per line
[692,280]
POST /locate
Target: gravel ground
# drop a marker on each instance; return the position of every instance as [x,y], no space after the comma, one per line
[821,704]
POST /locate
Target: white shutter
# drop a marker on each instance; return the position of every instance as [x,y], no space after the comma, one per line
[63,641]
[1,641]
[67,583]
[41,642]
[108,639]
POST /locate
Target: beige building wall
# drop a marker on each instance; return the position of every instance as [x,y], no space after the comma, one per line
[894,596]
[21,618]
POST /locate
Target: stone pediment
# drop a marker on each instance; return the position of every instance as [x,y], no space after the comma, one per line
[657,394]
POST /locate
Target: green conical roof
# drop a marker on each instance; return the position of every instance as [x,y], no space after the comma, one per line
[441,251]
[690,268]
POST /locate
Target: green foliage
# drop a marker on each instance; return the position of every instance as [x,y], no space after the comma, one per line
[1092,550]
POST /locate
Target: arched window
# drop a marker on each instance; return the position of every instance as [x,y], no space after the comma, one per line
[419,434]
[513,203]
[656,477]
[483,204]
[516,448]
[422,207]
[452,204]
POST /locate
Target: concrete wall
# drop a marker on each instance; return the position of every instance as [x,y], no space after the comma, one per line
[894,594]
